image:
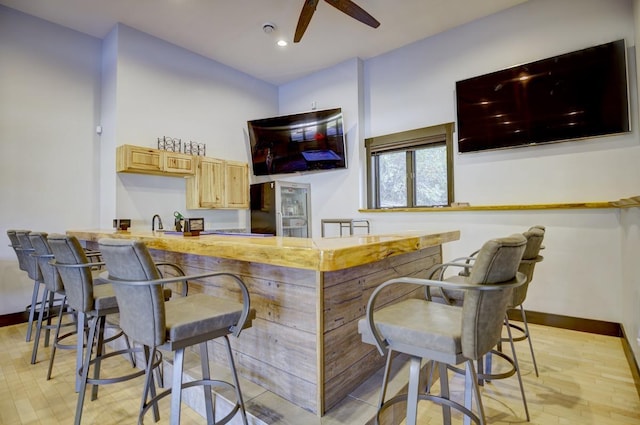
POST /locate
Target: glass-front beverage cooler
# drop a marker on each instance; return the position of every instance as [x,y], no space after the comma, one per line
[281,208]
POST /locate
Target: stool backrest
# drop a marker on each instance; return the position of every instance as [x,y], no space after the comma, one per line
[530,258]
[77,281]
[44,255]
[15,244]
[483,311]
[142,310]
[33,269]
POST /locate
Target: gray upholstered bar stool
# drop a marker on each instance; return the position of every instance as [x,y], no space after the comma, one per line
[177,324]
[531,257]
[446,334]
[93,303]
[33,270]
[534,237]
[22,265]
[52,286]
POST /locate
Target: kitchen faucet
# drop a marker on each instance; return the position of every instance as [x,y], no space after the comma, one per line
[153,222]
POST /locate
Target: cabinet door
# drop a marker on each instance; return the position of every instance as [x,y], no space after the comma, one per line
[210,183]
[136,159]
[236,184]
[179,163]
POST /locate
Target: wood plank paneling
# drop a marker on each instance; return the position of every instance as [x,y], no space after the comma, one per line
[346,295]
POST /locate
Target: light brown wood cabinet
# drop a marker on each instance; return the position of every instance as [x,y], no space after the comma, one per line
[142,160]
[206,188]
[211,182]
[218,184]
[236,184]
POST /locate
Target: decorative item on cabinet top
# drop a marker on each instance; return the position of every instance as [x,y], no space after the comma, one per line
[195,148]
[170,144]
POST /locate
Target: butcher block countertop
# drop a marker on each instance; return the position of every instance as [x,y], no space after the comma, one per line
[320,254]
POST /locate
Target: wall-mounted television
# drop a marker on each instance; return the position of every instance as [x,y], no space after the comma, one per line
[572,96]
[309,141]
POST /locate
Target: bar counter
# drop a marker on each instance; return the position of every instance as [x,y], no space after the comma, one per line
[321,254]
[308,295]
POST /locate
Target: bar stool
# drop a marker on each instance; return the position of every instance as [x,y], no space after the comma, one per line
[534,237]
[175,325]
[33,270]
[446,334]
[52,286]
[23,264]
[528,264]
[349,224]
[93,302]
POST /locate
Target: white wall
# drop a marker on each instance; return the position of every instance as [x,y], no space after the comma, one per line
[413,87]
[332,192]
[630,230]
[164,90]
[49,106]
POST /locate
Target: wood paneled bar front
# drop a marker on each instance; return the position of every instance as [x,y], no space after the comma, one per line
[308,295]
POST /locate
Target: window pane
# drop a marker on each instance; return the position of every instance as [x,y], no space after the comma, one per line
[431,175]
[392,178]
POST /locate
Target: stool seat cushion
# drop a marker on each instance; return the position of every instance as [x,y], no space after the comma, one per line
[419,323]
[104,298]
[198,315]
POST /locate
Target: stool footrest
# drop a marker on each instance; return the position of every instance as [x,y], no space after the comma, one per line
[122,378]
[429,397]
[200,382]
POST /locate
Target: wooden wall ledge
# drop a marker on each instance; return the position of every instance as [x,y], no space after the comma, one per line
[622,203]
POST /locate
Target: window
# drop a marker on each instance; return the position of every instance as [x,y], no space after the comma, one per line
[411,169]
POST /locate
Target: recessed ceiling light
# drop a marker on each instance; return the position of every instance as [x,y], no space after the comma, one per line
[282,43]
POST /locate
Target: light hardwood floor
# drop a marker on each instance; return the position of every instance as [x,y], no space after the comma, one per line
[584,379]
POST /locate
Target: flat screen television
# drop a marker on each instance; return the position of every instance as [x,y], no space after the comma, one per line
[309,141]
[567,97]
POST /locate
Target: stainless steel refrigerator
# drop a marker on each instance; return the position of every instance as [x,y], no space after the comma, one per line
[281,208]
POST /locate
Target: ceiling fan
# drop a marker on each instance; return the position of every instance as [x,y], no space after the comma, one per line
[346,6]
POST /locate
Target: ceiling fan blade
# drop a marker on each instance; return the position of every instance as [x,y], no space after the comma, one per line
[355,11]
[305,17]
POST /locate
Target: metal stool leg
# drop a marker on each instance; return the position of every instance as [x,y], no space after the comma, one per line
[236,382]
[528,336]
[32,308]
[385,379]
[149,388]
[93,324]
[36,341]
[444,392]
[515,360]
[56,336]
[206,375]
[176,386]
